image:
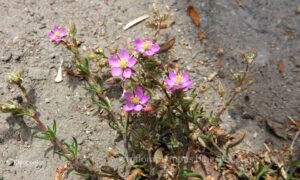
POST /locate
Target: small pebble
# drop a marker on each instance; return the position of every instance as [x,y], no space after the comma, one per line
[6,57]
[80,141]
[247,116]
[88,131]
[10,162]
[39,166]
[221,74]
[47,100]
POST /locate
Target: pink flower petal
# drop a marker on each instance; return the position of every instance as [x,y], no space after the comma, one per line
[138,107]
[113,61]
[139,45]
[177,87]
[138,42]
[144,99]
[140,49]
[155,48]
[139,92]
[128,107]
[172,76]
[186,77]
[169,82]
[127,96]
[149,53]
[131,61]
[55,28]
[51,35]
[187,84]
[63,32]
[124,54]
[127,73]
[57,40]
[116,71]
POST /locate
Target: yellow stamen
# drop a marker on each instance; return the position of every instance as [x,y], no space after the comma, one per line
[179,79]
[123,63]
[135,100]
[147,45]
[56,34]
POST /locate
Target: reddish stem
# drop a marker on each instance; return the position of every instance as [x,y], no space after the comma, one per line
[235,92]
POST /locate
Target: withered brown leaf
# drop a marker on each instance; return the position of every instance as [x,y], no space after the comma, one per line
[167,45]
[281,67]
[60,171]
[194,15]
[166,23]
[134,173]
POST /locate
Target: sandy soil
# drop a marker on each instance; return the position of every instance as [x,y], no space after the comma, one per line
[271,27]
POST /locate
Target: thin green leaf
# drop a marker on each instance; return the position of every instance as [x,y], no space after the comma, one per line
[189,173]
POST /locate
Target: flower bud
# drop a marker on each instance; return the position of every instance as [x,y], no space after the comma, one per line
[72,30]
[250,56]
[91,55]
[99,51]
[187,100]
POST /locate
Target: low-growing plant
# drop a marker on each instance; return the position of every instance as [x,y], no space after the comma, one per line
[159,119]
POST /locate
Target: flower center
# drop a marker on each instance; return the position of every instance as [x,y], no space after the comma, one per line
[123,63]
[179,79]
[147,45]
[56,34]
[135,100]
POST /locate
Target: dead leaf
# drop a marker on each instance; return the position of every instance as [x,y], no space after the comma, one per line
[135,21]
[212,76]
[202,37]
[112,153]
[202,142]
[203,88]
[167,45]
[205,166]
[166,23]
[298,9]
[268,177]
[59,76]
[74,73]
[158,156]
[209,178]
[238,140]
[135,173]
[281,67]
[276,128]
[60,171]
[194,15]
[239,2]
[221,90]
[220,52]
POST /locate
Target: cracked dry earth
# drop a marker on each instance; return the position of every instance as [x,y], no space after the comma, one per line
[271,27]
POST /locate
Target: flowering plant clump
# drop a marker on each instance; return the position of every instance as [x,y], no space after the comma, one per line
[173,125]
[57,34]
[146,46]
[122,65]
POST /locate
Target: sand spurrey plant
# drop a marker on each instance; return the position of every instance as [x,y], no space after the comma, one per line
[159,119]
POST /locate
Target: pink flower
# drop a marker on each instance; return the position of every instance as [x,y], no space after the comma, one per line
[135,101]
[178,81]
[146,47]
[57,34]
[121,66]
